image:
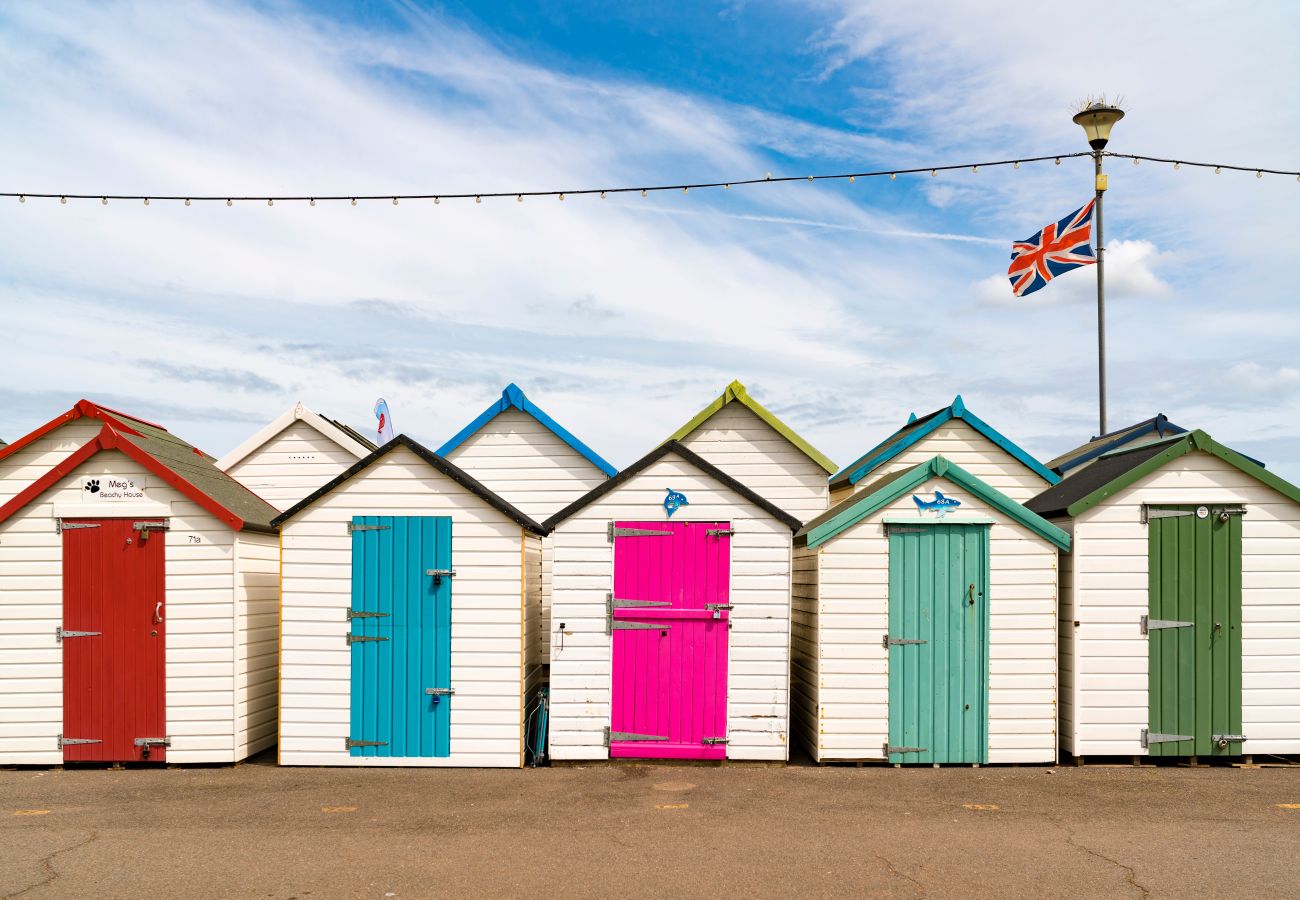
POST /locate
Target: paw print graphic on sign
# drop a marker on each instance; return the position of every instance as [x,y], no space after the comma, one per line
[92,485]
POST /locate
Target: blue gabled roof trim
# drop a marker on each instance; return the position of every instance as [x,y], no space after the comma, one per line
[513,398]
[1160,424]
[917,429]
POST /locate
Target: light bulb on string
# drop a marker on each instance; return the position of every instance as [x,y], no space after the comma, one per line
[768,176]
[63,200]
[1136,161]
[146,201]
[602,195]
[1058,160]
[103,201]
[1217,170]
[270,202]
[354,201]
[311,202]
[851,179]
[934,172]
[478,199]
[519,198]
[230,202]
[187,201]
[1177,166]
[394,201]
[974,168]
[1016,164]
[22,199]
[642,192]
[437,200]
[561,196]
[1259,174]
[686,190]
[810,178]
[726,187]
[893,177]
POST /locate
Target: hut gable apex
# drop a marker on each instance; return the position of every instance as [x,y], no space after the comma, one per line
[513,397]
[690,456]
[452,471]
[1119,469]
[917,429]
[345,437]
[737,393]
[874,497]
[82,409]
[183,467]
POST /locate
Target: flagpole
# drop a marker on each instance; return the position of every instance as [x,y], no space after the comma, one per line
[1101,298]
[1096,119]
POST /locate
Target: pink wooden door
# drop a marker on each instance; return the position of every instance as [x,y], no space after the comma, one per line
[670,625]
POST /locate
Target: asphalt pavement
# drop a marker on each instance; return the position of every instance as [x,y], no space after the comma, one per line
[255,830]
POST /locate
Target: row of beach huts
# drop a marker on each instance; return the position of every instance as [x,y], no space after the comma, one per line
[946,598]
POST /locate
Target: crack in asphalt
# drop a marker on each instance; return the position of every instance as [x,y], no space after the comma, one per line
[1130,872]
[893,870]
[47,863]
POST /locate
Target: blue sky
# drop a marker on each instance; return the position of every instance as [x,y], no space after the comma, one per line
[843,307]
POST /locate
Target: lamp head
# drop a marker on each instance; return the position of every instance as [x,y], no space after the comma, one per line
[1096,120]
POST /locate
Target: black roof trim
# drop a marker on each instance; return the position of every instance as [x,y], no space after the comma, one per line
[454,472]
[1056,500]
[691,457]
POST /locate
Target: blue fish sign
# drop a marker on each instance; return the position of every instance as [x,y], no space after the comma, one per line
[939,505]
[675,501]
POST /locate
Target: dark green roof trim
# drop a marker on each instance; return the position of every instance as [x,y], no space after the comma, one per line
[452,471]
[875,497]
[1193,440]
[736,393]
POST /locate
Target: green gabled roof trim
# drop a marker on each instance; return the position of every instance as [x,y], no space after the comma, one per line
[1193,440]
[853,510]
[736,393]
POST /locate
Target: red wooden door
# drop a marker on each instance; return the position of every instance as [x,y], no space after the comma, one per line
[114,692]
[670,621]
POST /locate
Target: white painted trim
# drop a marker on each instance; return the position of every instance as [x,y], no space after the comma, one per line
[299,413]
[111,510]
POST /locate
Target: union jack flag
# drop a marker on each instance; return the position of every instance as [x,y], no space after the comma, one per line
[1055,250]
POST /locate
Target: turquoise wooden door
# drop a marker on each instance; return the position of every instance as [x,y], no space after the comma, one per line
[938,643]
[401,636]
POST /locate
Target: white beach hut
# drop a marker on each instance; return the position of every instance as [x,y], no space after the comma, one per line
[293,455]
[138,589]
[925,624]
[671,607]
[1180,603]
[515,449]
[410,611]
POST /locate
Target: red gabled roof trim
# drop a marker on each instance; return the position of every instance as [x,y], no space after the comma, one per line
[109,439]
[82,409]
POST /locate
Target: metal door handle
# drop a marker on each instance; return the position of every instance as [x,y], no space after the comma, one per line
[157,614]
[970,593]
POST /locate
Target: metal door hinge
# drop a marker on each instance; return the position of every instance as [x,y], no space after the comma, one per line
[620,625]
[60,634]
[612,603]
[348,743]
[1201,512]
[713,740]
[888,641]
[61,526]
[360,614]
[1155,737]
[363,639]
[890,749]
[64,741]
[720,532]
[1148,624]
[614,532]
[353,526]
[631,736]
[439,574]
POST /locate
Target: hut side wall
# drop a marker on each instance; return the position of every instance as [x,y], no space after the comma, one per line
[257,639]
[1065,642]
[853,701]
[961,444]
[487,618]
[1111,594]
[522,460]
[805,651]
[200,635]
[291,465]
[25,466]
[755,454]
[759,647]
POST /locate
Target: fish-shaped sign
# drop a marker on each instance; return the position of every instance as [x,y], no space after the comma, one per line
[939,505]
[675,501]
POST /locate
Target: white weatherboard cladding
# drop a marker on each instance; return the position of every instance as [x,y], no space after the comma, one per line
[25,466]
[257,640]
[488,617]
[1110,594]
[842,613]
[960,444]
[291,465]
[523,461]
[759,457]
[1065,641]
[758,662]
[206,718]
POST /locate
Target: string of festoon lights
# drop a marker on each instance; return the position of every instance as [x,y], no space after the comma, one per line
[644,190]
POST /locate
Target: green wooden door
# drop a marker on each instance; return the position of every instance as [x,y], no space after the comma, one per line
[938,643]
[1194,631]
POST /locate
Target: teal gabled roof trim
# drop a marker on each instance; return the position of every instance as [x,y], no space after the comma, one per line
[853,510]
[513,398]
[916,429]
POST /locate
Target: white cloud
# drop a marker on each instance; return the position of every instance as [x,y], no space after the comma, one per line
[1130,275]
[1257,379]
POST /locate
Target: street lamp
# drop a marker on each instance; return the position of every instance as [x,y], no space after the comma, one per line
[1096,119]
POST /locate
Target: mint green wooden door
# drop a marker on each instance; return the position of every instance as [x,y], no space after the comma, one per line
[1193,632]
[938,643]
